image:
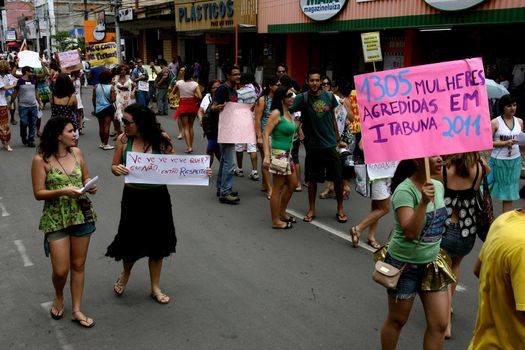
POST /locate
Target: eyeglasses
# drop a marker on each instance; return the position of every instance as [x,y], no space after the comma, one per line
[127,122]
[326,84]
[289,95]
[281,71]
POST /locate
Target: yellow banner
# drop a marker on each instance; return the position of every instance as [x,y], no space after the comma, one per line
[355,126]
[103,54]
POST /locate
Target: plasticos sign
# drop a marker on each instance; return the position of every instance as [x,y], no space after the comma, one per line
[321,10]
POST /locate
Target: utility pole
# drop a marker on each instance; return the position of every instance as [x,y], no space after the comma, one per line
[86,17]
[118,4]
[37,28]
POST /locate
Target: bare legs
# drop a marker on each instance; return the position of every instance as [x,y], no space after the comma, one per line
[434,304]
[379,208]
[69,254]
[103,128]
[155,268]
[187,121]
[507,206]
[280,197]
[456,261]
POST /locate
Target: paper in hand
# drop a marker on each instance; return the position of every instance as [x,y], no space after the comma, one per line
[89,185]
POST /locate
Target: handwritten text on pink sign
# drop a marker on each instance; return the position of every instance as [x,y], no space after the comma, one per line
[169,169]
[424,111]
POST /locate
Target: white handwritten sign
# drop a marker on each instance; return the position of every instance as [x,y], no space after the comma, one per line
[168,169]
[383,170]
[29,59]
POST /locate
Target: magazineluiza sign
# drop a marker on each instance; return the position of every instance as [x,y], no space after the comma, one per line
[321,10]
[453,5]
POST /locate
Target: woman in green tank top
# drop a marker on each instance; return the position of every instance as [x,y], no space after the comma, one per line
[281,126]
[59,171]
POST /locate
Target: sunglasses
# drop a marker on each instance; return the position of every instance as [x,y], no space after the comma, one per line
[127,122]
[289,95]
[326,84]
[281,71]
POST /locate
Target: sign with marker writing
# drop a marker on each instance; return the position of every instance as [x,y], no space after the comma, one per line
[424,111]
[236,124]
[167,169]
[371,47]
[385,170]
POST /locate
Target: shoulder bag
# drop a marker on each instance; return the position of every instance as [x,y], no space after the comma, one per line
[281,165]
[485,210]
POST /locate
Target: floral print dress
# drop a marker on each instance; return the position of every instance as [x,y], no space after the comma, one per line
[124,93]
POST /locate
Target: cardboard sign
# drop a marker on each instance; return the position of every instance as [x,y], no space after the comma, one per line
[103,54]
[167,169]
[424,111]
[28,58]
[384,170]
[69,61]
[371,47]
[236,124]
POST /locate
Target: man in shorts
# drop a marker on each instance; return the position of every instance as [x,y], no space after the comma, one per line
[321,139]
[246,94]
[500,267]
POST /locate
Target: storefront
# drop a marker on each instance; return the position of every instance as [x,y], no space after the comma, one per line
[326,33]
[217,33]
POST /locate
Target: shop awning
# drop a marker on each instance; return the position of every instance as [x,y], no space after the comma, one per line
[13,44]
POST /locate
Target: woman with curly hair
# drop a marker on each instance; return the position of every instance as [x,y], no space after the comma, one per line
[124,88]
[136,237]
[59,171]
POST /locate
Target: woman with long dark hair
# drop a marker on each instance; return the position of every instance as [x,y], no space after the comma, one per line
[419,222]
[262,111]
[190,96]
[103,99]
[281,126]
[137,236]
[64,101]
[59,171]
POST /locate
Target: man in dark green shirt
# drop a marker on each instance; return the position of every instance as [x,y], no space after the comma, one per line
[321,139]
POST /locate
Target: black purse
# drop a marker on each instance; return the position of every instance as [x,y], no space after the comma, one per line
[485,210]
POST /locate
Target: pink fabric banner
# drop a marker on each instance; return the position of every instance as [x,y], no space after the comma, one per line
[424,111]
[236,124]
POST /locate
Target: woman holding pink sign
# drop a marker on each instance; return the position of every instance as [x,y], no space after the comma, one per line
[137,237]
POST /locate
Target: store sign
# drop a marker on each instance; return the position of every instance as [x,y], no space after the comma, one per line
[214,14]
[321,10]
[453,5]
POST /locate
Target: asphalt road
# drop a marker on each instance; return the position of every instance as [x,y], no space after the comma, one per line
[234,282]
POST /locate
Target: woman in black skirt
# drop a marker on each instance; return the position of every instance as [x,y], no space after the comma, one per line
[146,221]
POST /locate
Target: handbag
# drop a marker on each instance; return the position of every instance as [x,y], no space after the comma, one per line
[485,212]
[281,165]
[362,181]
[386,274]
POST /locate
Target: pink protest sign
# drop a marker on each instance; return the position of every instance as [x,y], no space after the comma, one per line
[424,111]
[236,124]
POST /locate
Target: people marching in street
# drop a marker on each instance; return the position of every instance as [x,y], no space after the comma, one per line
[321,138]
[59,172]
[77,83]
[136,238]
[190,97]
[103,100]
[5,85]
[28,105]
[227,92]
[124,92]
[281,127]
[247,94]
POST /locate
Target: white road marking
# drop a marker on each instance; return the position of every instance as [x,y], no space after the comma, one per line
[22,250]
[4,210]
[331,230]
[61,337]
[461,288]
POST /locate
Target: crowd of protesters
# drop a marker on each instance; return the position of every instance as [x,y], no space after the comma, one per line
[433,219]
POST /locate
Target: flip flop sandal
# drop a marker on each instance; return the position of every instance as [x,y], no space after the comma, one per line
[341,218]
[309,218]
[119,287]
[289,219]
[285,227]
[374,244]
[83,322]
[160,298]
[355,237]
[58,315]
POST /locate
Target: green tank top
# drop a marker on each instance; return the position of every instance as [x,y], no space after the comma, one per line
[62,212]
[129,148]
[282,134]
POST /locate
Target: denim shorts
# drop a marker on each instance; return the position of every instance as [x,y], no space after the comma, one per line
[410,281]
[454,243]
[75,231]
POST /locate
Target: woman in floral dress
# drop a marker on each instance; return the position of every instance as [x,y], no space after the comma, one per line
[124,88]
